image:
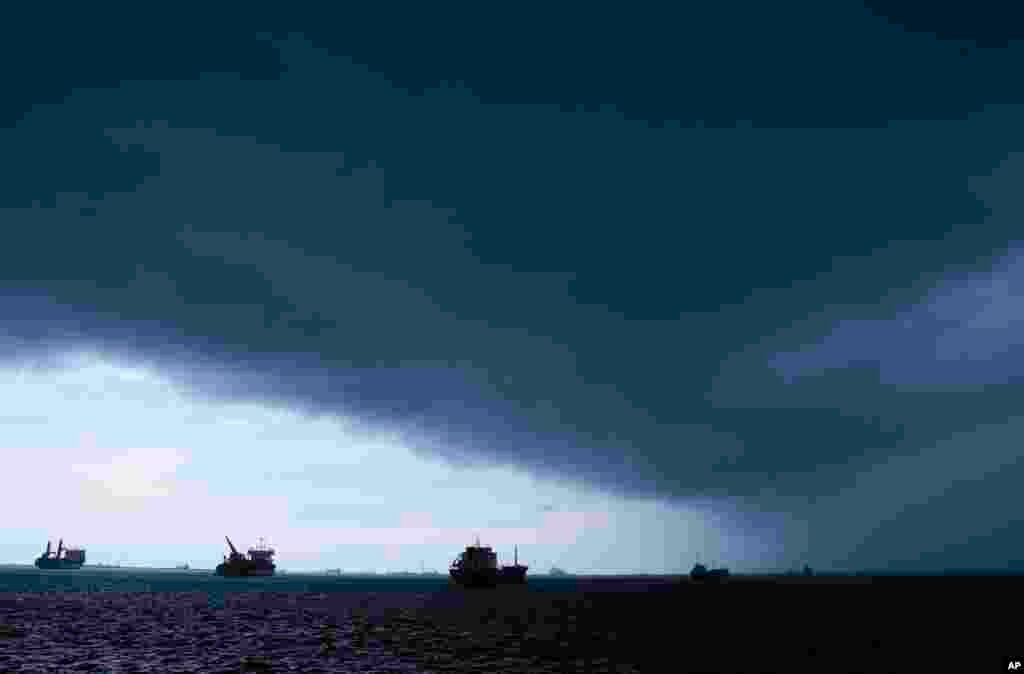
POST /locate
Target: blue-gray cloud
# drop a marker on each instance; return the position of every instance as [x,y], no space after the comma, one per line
[580,294]
[967,330]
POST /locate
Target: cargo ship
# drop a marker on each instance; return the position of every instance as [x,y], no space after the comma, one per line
[64,558]
[477,566]
[258,562]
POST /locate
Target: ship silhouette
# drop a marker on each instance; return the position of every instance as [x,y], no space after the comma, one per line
[477,566]
[259,562]
[700,572]
[64,558]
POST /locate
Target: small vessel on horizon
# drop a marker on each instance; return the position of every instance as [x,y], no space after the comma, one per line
[700,572]
[182,567]
[259,562]
[555,571]
[73,558]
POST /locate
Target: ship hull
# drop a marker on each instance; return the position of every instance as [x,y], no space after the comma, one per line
[474,578]
[239,571]
[513,575]
[712,576]
[57,564]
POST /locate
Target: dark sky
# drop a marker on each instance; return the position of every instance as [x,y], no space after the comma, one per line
[763,255]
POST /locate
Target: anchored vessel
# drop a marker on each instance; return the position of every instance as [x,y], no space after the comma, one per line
[477,566]
[259,562]
[701,572]
[64,558]
[515,573]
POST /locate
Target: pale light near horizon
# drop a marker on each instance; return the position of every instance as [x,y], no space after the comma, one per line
[115,456]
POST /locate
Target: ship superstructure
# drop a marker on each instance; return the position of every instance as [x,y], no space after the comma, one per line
[63,558]
[258,562]
[477,566]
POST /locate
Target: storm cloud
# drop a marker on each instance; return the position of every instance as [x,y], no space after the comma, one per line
[807,322]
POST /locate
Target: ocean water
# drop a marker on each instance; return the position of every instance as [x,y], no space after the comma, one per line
[92,579]
[131,619]
[30,579]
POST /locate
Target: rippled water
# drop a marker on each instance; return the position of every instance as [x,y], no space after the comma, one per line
[106,619]
[93,579]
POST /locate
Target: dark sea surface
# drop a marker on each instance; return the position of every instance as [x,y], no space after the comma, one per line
[138,579]
[149,620]
[154,620]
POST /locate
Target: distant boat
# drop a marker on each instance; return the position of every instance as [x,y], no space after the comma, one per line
[702,573]
[182,567]
[259,562]
[807,571]
[64,558]
[555,571]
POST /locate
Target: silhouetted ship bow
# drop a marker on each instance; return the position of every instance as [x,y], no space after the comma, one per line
[64,558]
[259,562]
[477,566]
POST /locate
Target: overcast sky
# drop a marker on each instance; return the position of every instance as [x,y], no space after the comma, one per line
[629,289]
